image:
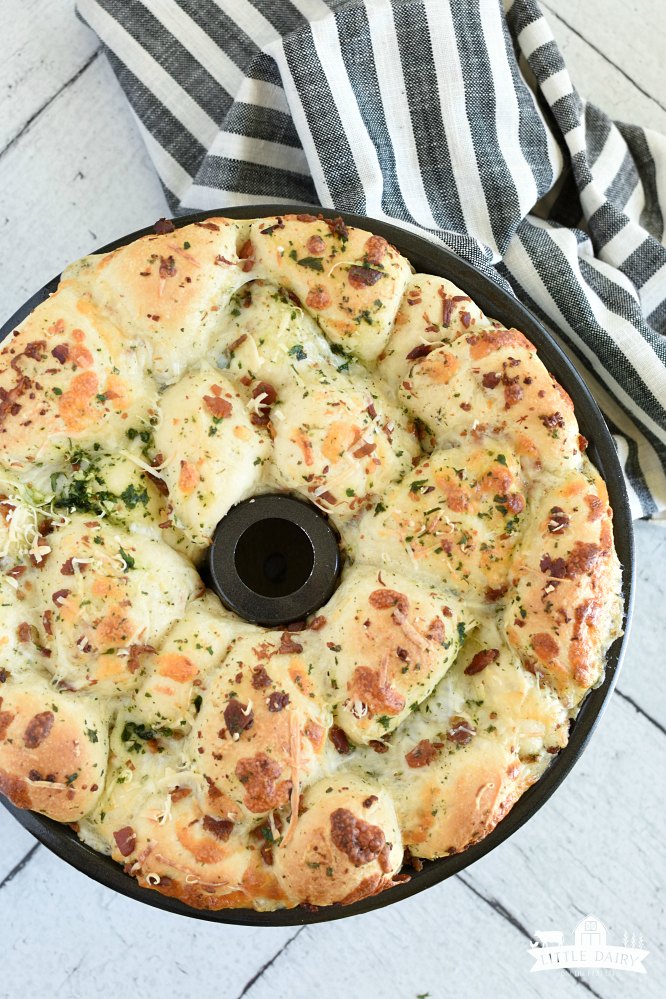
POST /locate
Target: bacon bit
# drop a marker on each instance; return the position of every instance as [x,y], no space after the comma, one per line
[582,443]
[188,479]
[17,571]
[47,621]
[421,755]
[278,701]
[337,227]
[364,450]
[259,775]
[318,297]
[246,253]
[68,567]
[373,689]
[363,277]
[167,267]
[481,660]
[552,421]
[465,319]
[60,596]
[317,623]
[381,599]
[491,379]
[558,519]
[513,392]
[271,228]
[219,408]
[595,505]
[179,793]
[515,503]
[316,245]
[357,839]
[38,729]
[307,217]
[327,497]
[583,558]
[265,389]
[557,568]
[125,838]
[237,343]
[460,731]
[371,411]
[545,647]
[24,632]
[379,747]
[219,828]
[237,718]
[61,352]
[339,740]
[436,631]
[370,800]
[260,678]
[288,646]
[376,249]
[421,350]
[5,674]
[448,306]
[208,225]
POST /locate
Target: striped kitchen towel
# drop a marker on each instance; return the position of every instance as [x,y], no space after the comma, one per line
[455,118]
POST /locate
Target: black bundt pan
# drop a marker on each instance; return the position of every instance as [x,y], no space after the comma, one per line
[431,259]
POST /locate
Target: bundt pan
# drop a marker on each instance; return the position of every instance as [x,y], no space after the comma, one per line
[429,258]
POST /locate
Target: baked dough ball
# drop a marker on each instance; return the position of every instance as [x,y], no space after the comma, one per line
[564,604]
[268,338]
[349,280]
[346,844]
[432,311]
[388,641]
[454,520]
[212,453]
[484,736]
[53,749]
[66,379]
[153,820]
[191,651]
[165,292]
[262,728]
[104,594]
[491,386]
[338,445]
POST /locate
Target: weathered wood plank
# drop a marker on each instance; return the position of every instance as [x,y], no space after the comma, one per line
[78,178]
[43,46]
[627,33]
[597,79]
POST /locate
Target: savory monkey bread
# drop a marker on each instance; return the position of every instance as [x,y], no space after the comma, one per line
[231,765]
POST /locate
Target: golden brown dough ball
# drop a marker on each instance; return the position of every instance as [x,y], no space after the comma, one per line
[564,599]
[346,844]
[53,749]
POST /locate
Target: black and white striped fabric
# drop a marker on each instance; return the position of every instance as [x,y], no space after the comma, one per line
[456,118]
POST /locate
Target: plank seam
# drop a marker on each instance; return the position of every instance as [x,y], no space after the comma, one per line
[497,907]
[587,41]
[33,118]
[19,867]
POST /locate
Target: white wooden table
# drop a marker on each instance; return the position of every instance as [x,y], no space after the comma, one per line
[74,175]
